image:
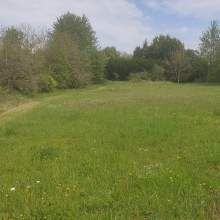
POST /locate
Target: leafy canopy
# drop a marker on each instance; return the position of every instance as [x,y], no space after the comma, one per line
[111,52]
[160,48]
[79,28]
[210,41]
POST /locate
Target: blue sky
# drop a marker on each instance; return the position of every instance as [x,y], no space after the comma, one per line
[121,23]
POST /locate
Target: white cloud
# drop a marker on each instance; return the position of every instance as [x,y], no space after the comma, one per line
[188,36]
[184,30]
[178,32]
[152,4]
[119,20]
[198,8]
[116,22]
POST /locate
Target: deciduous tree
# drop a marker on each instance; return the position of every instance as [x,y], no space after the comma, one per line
[178,65]
[209,49]
[210,41]
[79,28]
[111,52]
[19,64]
[83,34]
[161,46]
[65,62]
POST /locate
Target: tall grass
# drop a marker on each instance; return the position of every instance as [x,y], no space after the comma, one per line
[121,151]
[10,99]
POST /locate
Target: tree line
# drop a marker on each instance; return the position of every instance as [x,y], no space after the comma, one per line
[69,56]
[167,59]
[40,60]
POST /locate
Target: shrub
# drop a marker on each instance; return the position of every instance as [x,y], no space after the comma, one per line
[78,80]
[47,83]
[137,77]
[157,73]
[116,76]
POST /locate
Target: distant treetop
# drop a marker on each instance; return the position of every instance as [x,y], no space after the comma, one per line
[79,28]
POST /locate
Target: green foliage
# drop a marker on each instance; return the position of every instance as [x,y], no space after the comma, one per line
[214,74]
[179,66]
[47,83]
[116,76]
[83,34]
[200,69]
[123,66]
[157,73]
[160,48]
[19,67]
[98,64]
[210,41]
[111,52]
[79,28]
[70,57]
[138,52]
[67,64]
[138,77]
[37,60]
[209,50]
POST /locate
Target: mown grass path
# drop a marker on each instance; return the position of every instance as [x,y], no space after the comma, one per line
[120,151]
[22,107]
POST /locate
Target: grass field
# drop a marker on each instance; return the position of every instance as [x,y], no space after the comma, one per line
[119,151]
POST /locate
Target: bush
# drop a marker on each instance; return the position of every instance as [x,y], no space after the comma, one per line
[137,77]
[157,73]
[214,76]
[47,83]
[78,80]
[116,76]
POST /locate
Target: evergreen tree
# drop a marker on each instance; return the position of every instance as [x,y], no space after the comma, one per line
[137,52]
[145,50]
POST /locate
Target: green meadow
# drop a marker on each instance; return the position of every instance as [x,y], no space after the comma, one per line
[115,151]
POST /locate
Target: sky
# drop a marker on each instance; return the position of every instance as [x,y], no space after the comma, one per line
[124,24]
